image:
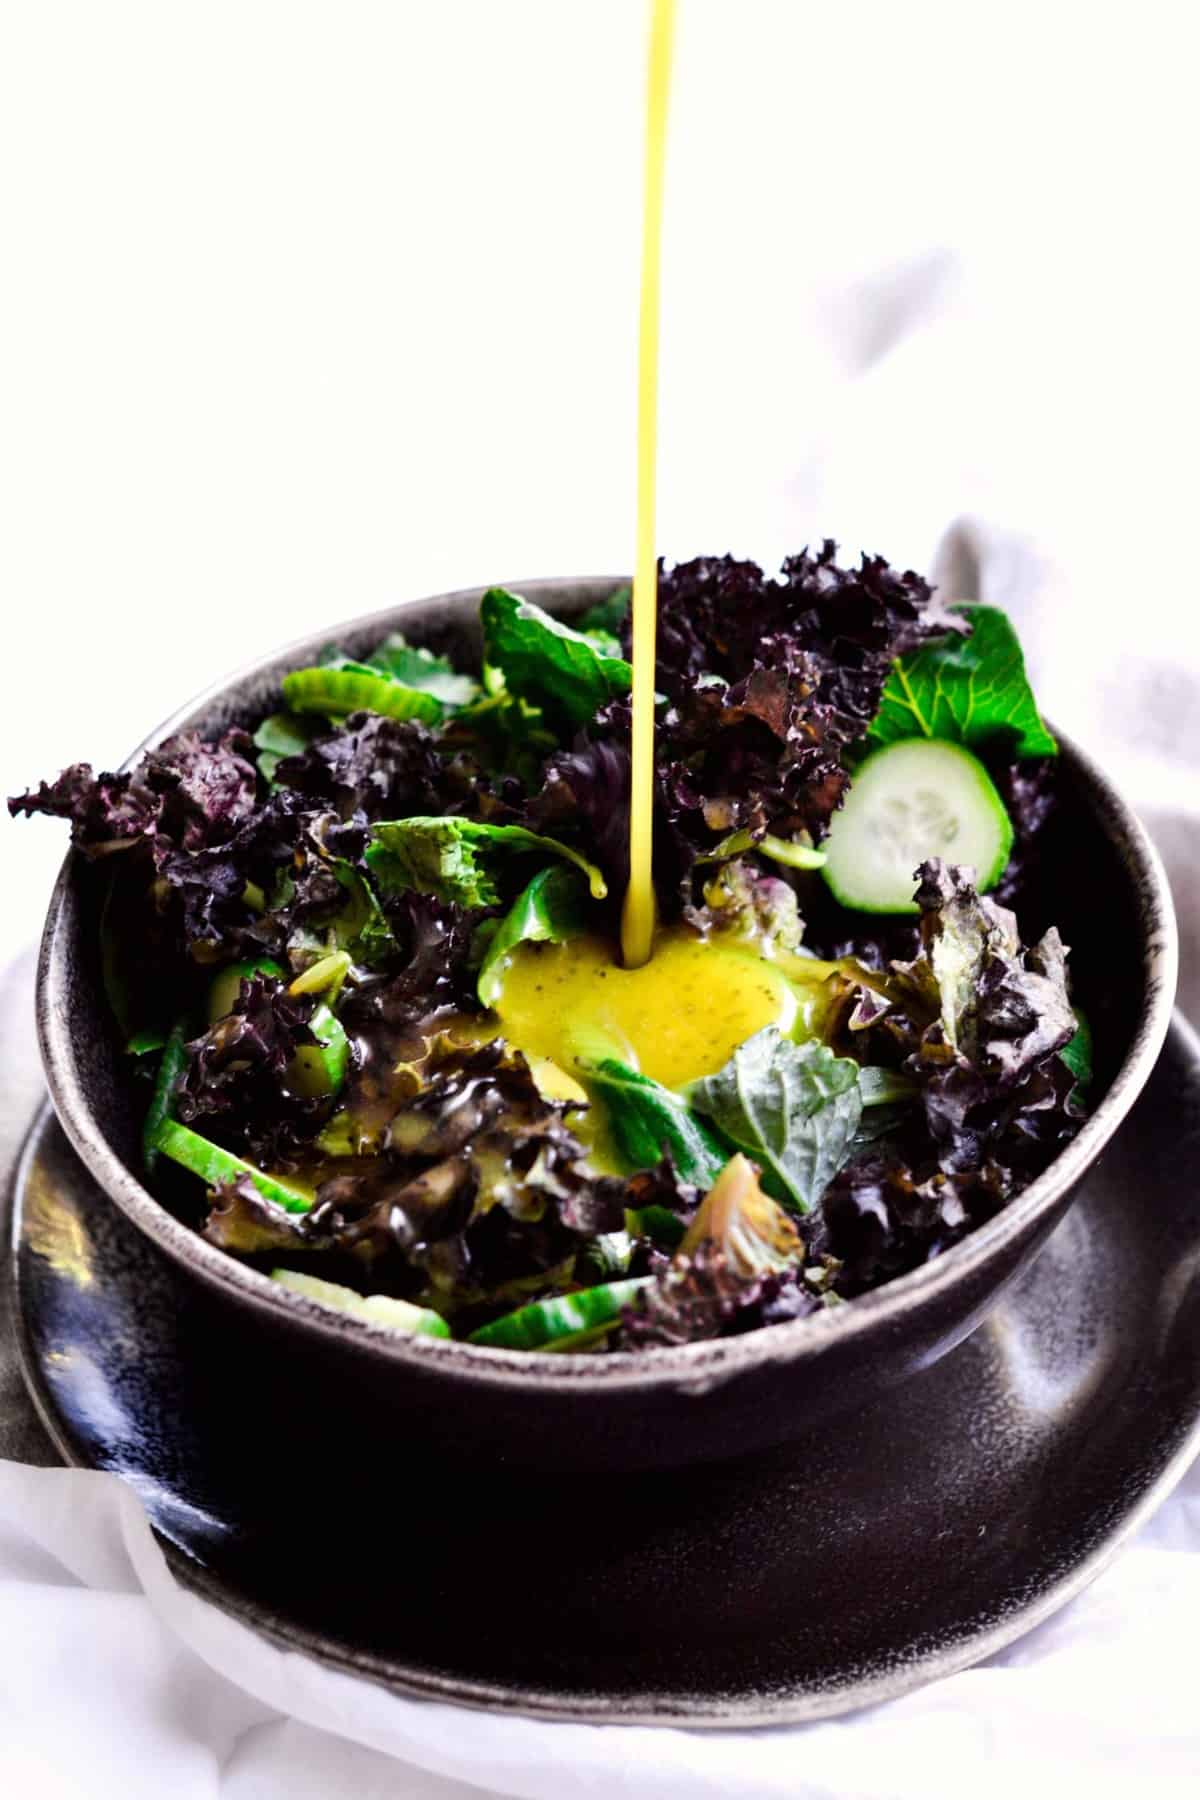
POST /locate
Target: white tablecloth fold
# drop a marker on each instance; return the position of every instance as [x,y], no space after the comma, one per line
[116,1681]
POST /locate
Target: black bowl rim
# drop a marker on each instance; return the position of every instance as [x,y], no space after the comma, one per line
[693,1368]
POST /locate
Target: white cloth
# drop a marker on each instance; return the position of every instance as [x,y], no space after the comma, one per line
[310,308]
[118,1682]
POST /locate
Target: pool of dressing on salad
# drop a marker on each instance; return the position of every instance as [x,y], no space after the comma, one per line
[679,1016]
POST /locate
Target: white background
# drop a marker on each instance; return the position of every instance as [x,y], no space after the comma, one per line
[307,308]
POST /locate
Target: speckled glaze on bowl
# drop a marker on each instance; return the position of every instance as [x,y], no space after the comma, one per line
[701,1401]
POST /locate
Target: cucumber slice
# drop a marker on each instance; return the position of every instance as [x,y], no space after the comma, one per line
[912,800]
[380,1309]
[543,1323]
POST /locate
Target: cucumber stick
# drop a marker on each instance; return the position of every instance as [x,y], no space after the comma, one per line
[915,799]
[380,1309]
[544,1324]
[214,1165]
[320,1068]
[170,1068]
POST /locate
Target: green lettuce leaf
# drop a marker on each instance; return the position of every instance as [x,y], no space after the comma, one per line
[548,911]
[649,1121]
[971,690]
[1078,1056]
[505,734]
[548,663]
[794,1108]
[605,618]
[458,859]
[361,927]
[280,735]
[417,668]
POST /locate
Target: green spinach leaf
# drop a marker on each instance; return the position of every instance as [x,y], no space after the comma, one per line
[457,859]
[505,734]
[606,617]
[1077,1054]
[548,663]
[971,690]
[794,1108]
[548,911]
[649,1121]
[414,667]
[283,734]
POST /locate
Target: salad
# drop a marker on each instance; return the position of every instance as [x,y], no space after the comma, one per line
[362,958]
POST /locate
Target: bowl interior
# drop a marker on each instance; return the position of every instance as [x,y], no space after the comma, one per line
[1099,881]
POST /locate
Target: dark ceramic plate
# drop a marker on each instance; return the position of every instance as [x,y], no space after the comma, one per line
[906,1540]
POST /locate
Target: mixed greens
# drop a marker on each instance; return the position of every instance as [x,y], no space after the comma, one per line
[307,930]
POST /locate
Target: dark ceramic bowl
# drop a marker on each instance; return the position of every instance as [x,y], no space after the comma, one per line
[1105,888]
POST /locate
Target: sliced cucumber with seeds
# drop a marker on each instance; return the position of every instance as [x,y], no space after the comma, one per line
[919,798]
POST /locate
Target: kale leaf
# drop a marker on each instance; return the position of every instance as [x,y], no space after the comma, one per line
[187,793]
[383,768]
[234,1083]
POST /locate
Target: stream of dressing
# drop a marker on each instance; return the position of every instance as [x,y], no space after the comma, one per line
[638,912]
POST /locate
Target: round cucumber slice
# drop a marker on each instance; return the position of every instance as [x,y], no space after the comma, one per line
[909,801]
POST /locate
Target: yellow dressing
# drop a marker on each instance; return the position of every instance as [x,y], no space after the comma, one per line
[679,1016]
[638,913]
